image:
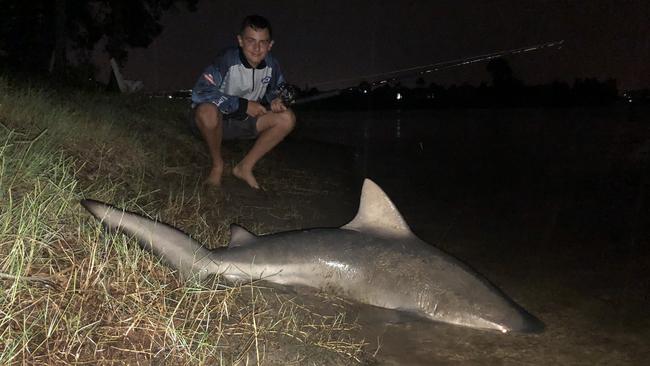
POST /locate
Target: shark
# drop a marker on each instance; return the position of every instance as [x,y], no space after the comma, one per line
[375,259]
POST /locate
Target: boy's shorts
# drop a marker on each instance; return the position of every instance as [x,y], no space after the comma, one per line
[233,128]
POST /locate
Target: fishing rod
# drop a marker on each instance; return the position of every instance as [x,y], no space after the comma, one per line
[289,92]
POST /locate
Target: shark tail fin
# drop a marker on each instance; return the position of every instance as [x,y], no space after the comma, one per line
[174,247]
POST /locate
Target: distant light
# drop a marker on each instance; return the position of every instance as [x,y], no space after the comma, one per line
[365,91]
[398,96]
[629,100]
[169,97]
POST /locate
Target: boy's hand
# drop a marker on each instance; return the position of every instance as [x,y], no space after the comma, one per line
[277,105]
[255,109]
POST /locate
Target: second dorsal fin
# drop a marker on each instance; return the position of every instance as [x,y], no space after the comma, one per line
[240,236]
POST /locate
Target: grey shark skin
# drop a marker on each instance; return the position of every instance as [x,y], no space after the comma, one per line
[374,259]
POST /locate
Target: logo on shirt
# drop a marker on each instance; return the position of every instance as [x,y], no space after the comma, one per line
[266,80]
[209,78]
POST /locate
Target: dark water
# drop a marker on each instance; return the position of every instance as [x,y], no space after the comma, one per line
[550,205]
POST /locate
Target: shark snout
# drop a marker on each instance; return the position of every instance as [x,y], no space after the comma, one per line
[520,321]
[528,324]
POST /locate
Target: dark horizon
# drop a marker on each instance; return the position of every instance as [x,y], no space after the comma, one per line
[320,42]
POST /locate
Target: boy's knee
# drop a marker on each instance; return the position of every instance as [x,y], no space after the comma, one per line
[287,120]
[208,116]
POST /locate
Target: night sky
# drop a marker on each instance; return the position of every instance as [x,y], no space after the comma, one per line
[320,41]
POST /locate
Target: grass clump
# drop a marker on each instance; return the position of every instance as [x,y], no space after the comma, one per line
[72,294]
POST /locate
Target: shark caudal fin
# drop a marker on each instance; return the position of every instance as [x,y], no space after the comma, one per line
[173,246]
[377,213]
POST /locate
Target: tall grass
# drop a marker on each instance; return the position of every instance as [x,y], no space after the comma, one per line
[72,294]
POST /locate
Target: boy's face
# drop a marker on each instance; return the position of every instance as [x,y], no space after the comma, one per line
[255,44]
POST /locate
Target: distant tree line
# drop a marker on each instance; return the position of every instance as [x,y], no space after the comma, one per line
[504,90]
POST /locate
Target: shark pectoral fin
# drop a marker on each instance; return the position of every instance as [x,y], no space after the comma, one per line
[377,213]
[240,236]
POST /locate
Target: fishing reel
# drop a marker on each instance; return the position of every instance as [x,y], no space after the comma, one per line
[288,93]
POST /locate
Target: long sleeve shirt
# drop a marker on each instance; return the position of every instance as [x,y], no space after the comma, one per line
[230,82]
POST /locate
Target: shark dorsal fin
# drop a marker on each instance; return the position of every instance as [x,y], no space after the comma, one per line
[240,236]
[377,213]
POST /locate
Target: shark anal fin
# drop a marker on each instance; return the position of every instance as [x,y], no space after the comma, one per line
[240,236]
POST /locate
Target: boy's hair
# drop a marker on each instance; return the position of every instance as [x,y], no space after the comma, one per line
[256,22]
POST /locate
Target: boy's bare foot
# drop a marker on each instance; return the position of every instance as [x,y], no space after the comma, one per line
[214,179]
[246,175]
